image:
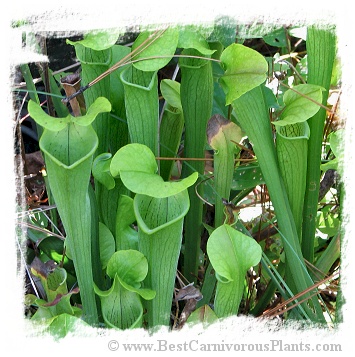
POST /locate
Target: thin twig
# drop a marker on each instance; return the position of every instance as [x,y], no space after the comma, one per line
[276,310]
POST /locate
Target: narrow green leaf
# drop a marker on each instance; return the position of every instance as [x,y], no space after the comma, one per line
[171,125]
[321,51]
[101,170]
[107,244]
[171,92]
[94,63]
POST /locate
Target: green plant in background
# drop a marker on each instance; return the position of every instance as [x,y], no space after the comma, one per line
[141,219]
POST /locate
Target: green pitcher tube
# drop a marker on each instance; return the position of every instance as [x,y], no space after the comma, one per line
[160,224]
[142,106]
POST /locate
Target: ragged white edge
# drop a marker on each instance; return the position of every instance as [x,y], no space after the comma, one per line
[346,112]
[20,52]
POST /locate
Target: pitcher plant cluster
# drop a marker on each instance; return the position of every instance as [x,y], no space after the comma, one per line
[127,171]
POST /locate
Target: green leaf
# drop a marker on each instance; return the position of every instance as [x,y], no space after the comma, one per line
[331,165]
[100,105]
[135,158]
[336,142]
[171,92]
[45,120]
[130,265]
[126,236]
[128,268]
[245,69]
[99,40]
[137,167]
[107,244]
[298,108]
[171,125]
[101,170]
[254,117]
[232,252]
[164,45]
